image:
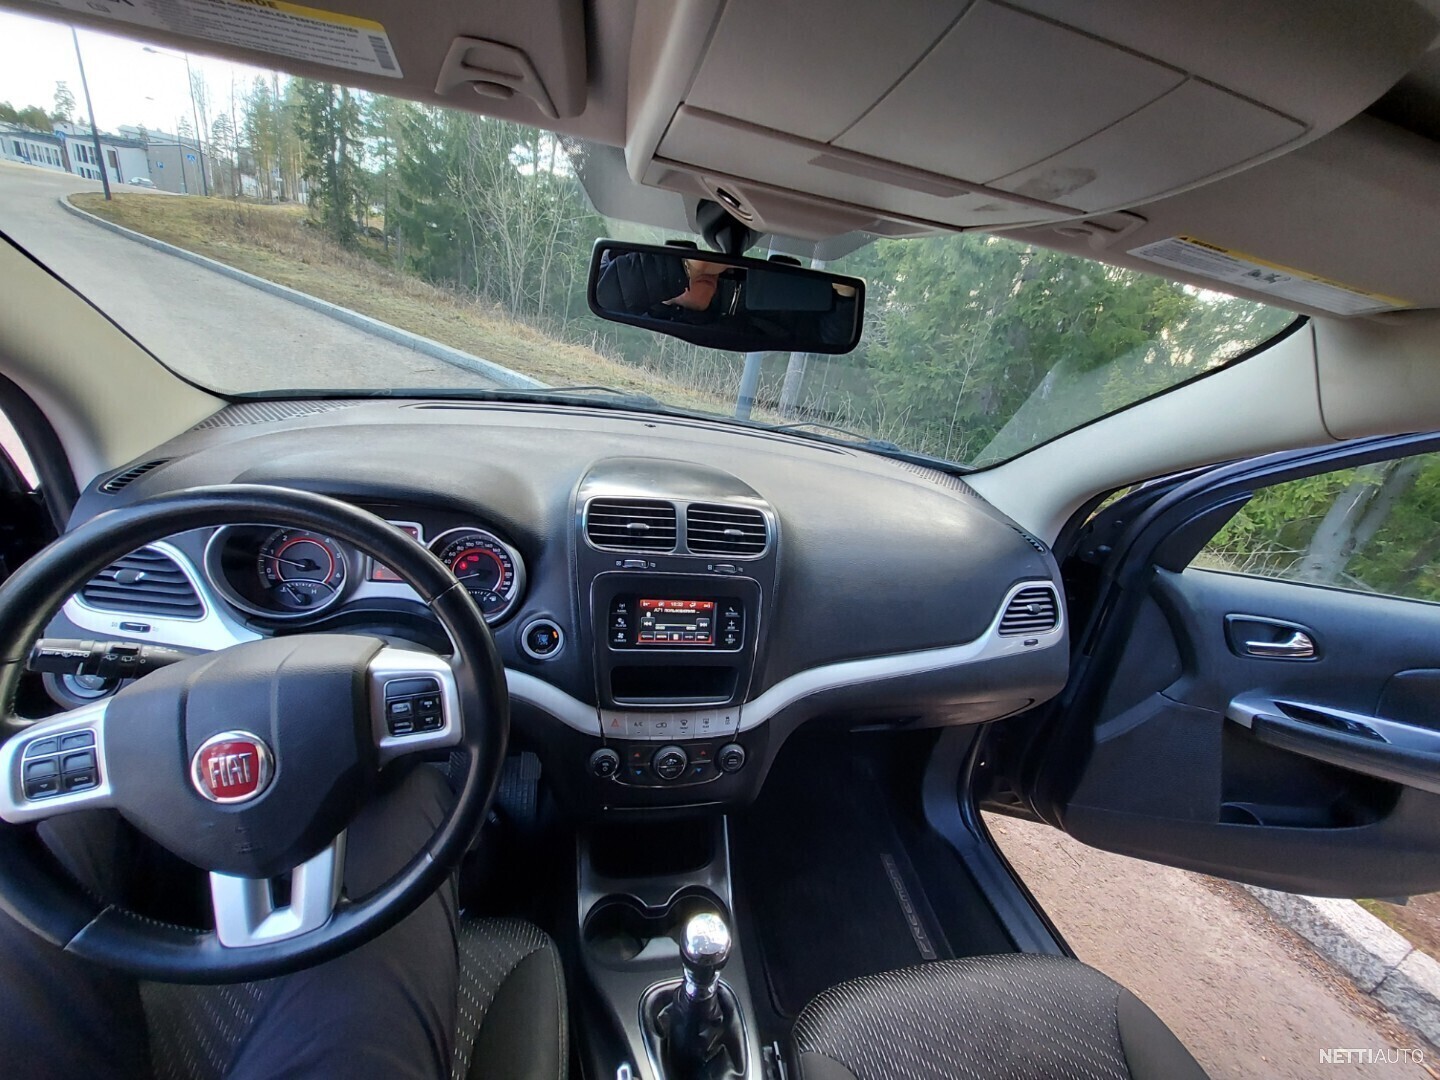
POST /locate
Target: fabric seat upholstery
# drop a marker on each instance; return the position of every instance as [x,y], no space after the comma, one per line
[511,1020]
[1015,1017]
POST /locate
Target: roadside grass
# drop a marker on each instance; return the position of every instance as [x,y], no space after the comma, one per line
[1418,920]
[277,243]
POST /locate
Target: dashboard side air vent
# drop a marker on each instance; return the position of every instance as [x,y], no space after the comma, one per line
[1034,610]
[145,582]
[1032,540]
[713,529]
[631,524]
[120,481]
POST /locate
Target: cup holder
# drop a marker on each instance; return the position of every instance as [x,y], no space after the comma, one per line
[621,930]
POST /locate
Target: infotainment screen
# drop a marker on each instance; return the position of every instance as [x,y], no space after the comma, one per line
[676,622]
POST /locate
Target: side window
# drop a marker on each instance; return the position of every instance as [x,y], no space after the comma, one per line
[14,449]
[1374,529]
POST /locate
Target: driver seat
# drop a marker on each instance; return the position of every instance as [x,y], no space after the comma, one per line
[511,1018]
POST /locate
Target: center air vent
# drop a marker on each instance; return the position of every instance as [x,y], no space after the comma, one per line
[1033,611]
[145,582]
[711,529]
[631,524]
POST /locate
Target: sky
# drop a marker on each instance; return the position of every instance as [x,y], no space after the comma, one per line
[127,84]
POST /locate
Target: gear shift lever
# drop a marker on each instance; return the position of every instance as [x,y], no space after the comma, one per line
[704,949]
[696,1028]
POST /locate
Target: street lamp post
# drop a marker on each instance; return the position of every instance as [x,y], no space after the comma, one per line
[94,131]
[195,110]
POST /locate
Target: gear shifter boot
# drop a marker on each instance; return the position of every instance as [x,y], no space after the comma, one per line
[693,1025]
[695,1040]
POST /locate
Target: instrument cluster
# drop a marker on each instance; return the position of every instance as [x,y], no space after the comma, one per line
[293,574]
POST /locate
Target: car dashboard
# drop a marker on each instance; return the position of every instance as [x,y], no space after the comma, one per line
[672,597]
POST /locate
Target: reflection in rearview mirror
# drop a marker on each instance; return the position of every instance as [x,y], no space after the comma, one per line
[725,301]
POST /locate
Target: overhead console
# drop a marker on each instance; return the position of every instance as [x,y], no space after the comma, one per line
[982,114]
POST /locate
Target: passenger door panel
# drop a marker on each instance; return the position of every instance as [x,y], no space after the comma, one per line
[1261,729]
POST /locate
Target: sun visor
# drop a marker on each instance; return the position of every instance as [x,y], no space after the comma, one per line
[985,115]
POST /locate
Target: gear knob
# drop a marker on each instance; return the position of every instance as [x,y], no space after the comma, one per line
[704,949]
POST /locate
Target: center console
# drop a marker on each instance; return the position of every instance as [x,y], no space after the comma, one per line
[676,568]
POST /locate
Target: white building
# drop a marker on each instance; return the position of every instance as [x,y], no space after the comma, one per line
[31,147]
[123,158]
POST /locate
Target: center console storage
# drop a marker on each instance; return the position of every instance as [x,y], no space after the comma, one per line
[643,892]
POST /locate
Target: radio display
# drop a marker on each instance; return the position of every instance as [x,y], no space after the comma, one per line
[674,622]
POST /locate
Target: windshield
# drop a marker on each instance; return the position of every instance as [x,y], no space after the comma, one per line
[281,235]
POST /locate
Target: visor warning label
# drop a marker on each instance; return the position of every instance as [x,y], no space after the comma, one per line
[1282,282]
[273,26]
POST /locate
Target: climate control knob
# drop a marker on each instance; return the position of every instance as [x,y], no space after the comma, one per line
[669,762]
[604,763]
[731,757]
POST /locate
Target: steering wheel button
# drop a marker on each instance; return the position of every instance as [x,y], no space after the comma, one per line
[77,739]
[41,747]
[42,788]
[35,770]
[402,709]
[78,763]
[399,688]
[79,781]
[428,704]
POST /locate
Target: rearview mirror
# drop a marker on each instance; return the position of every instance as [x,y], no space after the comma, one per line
[725,301]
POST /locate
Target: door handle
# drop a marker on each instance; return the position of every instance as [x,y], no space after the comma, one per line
[1298,646]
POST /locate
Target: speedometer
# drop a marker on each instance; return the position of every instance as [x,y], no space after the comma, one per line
[488,568]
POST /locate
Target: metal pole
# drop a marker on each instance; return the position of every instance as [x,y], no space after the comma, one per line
[94,131]
[199,145]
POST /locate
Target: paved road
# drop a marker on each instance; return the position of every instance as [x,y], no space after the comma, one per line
[1249,998]
[217,331]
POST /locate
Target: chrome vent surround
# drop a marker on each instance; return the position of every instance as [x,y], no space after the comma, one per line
[720,529]
[145,582]
[1034,610]
[647,525]
[120,481]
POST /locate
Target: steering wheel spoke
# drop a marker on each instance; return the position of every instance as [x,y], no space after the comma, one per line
[246,911]
[414,703]
[56,766]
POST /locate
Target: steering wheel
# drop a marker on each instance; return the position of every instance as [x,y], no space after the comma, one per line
[248,762]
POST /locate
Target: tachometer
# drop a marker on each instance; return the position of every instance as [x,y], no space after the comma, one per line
[488,568]
[300,571]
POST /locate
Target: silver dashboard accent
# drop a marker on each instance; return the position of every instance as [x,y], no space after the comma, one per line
[245,909]
[391,664]
[215,629]
[15,807]
[552,700]
[988,646]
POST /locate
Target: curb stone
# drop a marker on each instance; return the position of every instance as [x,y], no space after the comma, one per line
[1380,962]
[504,376]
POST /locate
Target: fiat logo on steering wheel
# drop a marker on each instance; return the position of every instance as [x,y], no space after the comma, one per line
[231,767]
